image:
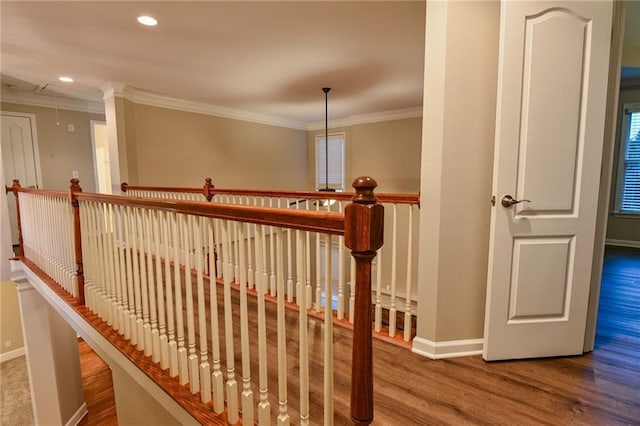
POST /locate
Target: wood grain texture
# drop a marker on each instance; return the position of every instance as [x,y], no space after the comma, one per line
[97,385]
[314,221]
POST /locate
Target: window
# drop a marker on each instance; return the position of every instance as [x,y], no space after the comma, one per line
[333,177]
[629,162]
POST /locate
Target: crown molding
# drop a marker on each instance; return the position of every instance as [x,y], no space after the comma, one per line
[376,117]
[33,99]
[137,96]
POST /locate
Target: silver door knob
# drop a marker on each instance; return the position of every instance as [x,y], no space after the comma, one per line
[508,201]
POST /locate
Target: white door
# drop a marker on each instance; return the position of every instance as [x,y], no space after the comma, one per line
[19,158]
[552,83]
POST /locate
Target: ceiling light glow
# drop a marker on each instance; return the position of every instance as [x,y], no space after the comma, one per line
[65,79]
[147,20]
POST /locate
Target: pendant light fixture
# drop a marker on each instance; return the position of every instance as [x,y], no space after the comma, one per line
[326,141]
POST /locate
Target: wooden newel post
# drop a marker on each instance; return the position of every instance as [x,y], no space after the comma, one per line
[207,189]
[74,189]
[15,188]
[363,228]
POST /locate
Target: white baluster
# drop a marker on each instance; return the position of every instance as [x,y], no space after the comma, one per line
[169,245]
[299,263]
[303,345]
[407,307]
[394,275]
[232,385]
[154,343]
[378,309]
[272,258]
[289,266]
[340,271]
[163,348]
[144,287]
[130,253]
[247,393]
[318,302]
[183,369]
[328,335]
[217,379]
[250,270]
[188,285]
[124,305]
[283,415]
[113,261]
[264,406]
[205,368]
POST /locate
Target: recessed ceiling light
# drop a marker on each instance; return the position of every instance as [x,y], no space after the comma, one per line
[66,79]
[147,20]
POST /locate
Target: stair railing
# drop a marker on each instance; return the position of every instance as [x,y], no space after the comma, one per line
[394,293]
[139,264]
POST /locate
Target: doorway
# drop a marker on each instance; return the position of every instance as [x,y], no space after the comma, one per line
[101,156]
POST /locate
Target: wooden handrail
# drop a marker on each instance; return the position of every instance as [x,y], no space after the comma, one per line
[45,192]
[315,221]
[124,187]
[209,190]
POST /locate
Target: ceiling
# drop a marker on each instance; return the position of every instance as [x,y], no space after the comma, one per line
[262,57]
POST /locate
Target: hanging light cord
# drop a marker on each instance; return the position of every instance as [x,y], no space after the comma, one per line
[326,137]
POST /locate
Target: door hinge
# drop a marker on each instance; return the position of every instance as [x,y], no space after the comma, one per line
[493,200]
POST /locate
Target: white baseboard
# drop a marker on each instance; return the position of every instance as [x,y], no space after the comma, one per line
[622,243]
[12,354]
[78,415]
[447,349]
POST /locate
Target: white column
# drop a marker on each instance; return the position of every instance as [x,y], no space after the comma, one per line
[456,172]
[53,361]
[121,167]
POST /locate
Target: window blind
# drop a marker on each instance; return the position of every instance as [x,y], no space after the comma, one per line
[334,176]
[630,197]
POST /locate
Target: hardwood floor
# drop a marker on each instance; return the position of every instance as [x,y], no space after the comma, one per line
[599,388]
[98,388]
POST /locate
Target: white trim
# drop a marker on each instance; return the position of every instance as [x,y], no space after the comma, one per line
[447,349]
[113,89]
[376,117]
[78,415]
[105,350]
[8,356]
[622,243]
[137,96]
[51,102]
[34,137]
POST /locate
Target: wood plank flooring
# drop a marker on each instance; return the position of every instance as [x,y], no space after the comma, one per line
[97,385]
[600,388]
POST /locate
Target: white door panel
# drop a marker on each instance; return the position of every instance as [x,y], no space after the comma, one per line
[19,158]
[549,133]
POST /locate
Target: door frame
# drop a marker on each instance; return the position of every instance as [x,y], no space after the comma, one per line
[34,137]
[92,123]
[606,171]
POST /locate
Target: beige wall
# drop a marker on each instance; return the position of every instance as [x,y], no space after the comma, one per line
[178,148]
[387,151]
[62,151]
[456,177]
[10,322]
[620,227]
